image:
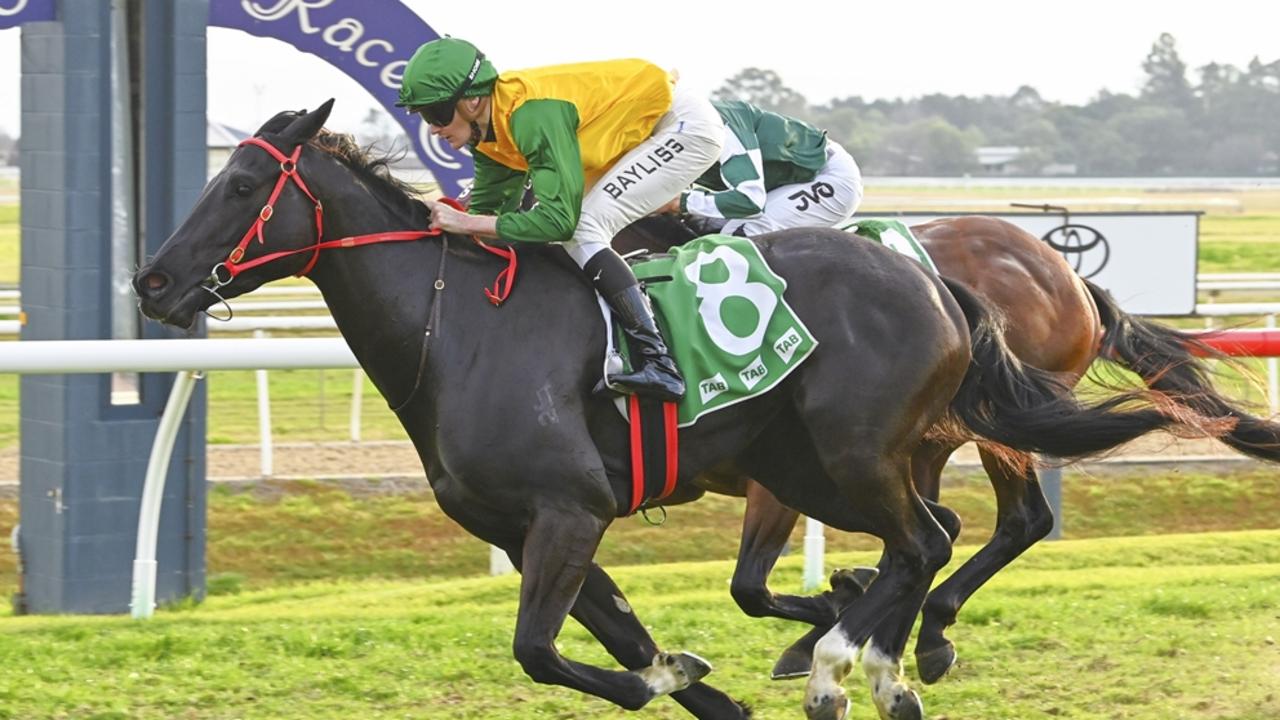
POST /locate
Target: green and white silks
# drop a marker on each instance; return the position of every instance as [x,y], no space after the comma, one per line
[894,235]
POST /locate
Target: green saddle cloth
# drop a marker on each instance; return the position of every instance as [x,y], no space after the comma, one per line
[723,315]
[894,235]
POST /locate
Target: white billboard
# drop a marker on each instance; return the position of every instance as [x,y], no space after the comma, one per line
[1147,260]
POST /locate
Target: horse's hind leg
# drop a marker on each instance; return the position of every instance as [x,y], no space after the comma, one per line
[556,559]
[766,528]
[882,655]
[915,547]
[602,610]
[1023,517]
[926,469]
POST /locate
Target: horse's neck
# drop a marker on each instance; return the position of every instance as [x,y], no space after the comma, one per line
[381,295]
[378,294]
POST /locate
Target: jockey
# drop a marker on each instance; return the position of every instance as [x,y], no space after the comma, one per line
[774,172]
[601,144]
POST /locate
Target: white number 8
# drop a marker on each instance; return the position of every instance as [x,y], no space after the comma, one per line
[713,296]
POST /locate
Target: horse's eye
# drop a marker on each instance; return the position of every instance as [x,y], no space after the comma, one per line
[243,190]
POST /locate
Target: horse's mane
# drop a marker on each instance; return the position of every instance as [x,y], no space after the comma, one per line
[367,162]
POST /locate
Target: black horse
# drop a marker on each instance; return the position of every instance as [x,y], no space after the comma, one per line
[521,452]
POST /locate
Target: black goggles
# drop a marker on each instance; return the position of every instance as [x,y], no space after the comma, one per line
[441,113]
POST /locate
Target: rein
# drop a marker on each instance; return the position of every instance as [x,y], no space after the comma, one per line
[236,264]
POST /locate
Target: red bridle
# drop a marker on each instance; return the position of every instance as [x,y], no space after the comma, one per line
[235,262]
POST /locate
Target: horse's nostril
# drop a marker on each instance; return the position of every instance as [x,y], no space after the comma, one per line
[152,284]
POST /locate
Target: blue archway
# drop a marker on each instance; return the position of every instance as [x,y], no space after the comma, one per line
[16,12]
[370,41]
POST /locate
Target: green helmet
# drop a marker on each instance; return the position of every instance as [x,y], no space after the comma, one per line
[438,72]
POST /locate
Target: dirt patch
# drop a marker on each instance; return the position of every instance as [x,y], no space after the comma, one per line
[389,466]
[375,460]
[316,460]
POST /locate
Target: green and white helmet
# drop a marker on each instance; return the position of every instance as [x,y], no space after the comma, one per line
[441,73]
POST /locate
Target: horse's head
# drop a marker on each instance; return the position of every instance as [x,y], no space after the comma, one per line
[245,224]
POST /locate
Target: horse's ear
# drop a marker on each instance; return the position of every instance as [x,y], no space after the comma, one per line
[279,122]
[307,124]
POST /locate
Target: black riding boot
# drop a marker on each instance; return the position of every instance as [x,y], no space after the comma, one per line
[656,374]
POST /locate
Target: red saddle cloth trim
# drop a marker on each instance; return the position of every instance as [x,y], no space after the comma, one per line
[644,475]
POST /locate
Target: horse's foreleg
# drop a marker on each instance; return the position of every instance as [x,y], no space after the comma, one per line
[556,559]
[604,611]
[1023,517]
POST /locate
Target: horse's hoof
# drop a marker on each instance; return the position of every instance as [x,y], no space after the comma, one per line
[828,707]
[673,672]
[688,668]
[793,663]
[854,580]
[796,660]
[849,585]
[907,707]
[933,664]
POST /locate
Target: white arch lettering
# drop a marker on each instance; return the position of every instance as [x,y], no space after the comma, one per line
[392,73]
[283,8]
[362,52]
[365,40]
[352,27]
[18,7]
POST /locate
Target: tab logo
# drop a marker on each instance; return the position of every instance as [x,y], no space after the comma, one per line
[754,373]
[787,345]
[711,387]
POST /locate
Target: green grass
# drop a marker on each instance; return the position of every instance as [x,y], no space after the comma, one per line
[306,405]
[280,538]
[292,532]
[1142,629]
[10,264]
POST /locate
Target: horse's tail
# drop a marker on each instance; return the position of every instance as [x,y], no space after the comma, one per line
[1032,410]
[1166,361]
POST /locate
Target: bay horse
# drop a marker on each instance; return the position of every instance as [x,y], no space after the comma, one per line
[521,452]
[1053,320]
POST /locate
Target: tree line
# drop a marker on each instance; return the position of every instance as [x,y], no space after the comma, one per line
[1225,121]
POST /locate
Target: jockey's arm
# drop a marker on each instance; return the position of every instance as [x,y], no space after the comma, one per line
[546,133]
[496,189]
[741,171]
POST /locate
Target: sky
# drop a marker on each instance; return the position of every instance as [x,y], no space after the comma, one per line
[824,50]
